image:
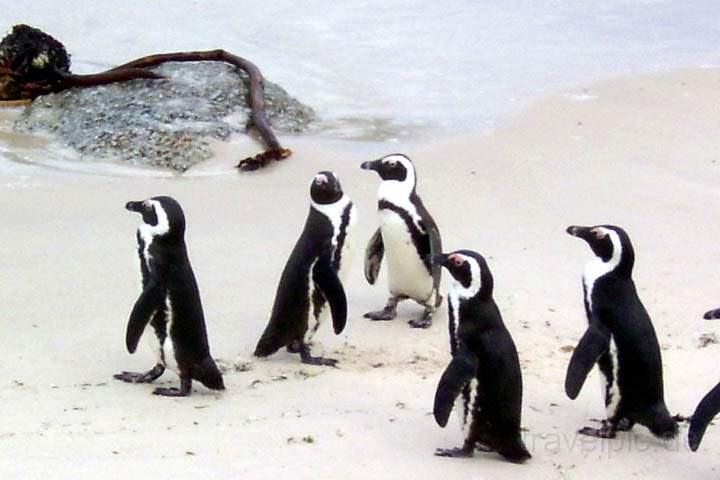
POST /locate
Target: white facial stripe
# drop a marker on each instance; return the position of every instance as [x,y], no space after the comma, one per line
[409,181]
[163,225]
[397,192]
[333,211]
[597,267]
[458,290]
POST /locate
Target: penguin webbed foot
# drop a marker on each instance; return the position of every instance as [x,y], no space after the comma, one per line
[141,377]
[607,430]
[387,313]
[461,452]
[423,322]
[483,448]
[624,425]
[307,358]
[183,391]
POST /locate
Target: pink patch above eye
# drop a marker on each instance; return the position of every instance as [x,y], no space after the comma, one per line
[320,179]
[598,233]
[457,259]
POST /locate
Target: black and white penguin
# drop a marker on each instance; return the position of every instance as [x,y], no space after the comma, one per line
[409,235]
[620,339]
[708,407]
[484,376]
[169,306]
[312,278]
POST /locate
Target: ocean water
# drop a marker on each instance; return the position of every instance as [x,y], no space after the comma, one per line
[396,70]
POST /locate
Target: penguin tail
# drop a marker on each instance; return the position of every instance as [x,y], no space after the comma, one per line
[265,349]
[514,451]
[664,425]
[210,375]
[267,345]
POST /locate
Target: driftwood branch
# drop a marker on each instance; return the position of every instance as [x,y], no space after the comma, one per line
[21,68]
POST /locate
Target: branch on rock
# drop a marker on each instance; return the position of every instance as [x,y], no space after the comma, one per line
[32,64]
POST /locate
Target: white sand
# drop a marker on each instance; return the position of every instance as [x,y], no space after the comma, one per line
[639,152]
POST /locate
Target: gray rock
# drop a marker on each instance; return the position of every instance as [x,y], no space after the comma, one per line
[164,123]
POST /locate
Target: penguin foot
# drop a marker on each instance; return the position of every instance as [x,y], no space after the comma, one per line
[384,314]
[322,361]
[606,431]
[625,425]
[137,377]
[183,391]
[420,322]
[483,448]
[423,322]
[307,358]
[454,452]
[170,392]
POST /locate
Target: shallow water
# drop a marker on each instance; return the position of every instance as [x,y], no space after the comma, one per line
[400,71]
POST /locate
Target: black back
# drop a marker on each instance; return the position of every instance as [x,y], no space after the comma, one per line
[313,250]
[615,313]
[171,274]
[481,330]
[288,320]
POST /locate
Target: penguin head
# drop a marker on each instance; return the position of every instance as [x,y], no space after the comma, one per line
[162,216]
[610,244]
[325,188]
[396,167]
[469,270]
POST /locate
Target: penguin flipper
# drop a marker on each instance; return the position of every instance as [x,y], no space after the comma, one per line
[461,370]
[435,249]
[592,345]
[434,243]
[373,257]
[149,301]
[706,410]
[325,277]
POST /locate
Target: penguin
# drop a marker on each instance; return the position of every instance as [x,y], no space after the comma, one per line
[169,306]
[484,372]
[410,236]
[311,281]
[708,407]
[620,339]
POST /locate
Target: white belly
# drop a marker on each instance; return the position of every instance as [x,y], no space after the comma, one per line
[164,352]
[611,408]
[465,415]
[407,274]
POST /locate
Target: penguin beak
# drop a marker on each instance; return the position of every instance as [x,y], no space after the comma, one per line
[134,206]
[374,165]
[580,232]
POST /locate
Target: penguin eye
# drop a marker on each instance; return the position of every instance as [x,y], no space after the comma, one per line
[599,233]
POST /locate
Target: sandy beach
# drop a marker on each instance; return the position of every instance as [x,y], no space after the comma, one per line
[640,152]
